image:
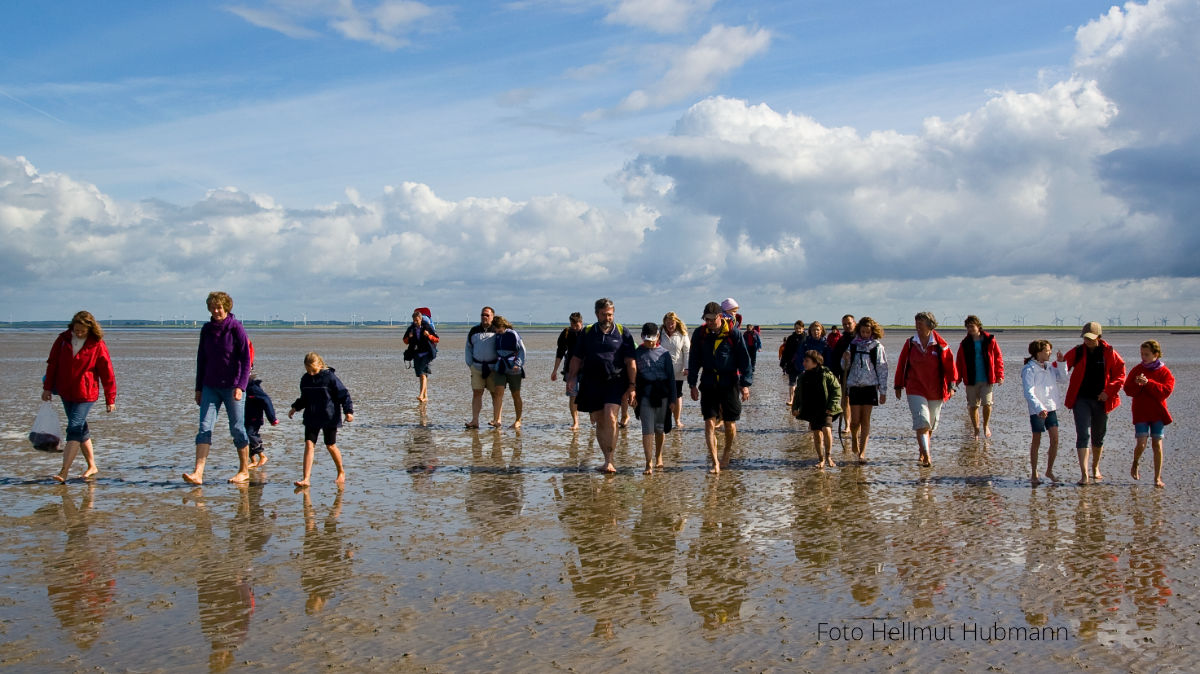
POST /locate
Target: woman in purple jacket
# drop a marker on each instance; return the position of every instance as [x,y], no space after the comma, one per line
[222,375]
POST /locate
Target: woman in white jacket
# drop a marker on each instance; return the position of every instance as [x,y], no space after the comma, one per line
[1043,383]
[674,338]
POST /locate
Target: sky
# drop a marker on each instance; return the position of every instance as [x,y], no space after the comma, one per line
[339,159]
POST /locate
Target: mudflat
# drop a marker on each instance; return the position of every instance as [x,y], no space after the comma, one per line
[452,549]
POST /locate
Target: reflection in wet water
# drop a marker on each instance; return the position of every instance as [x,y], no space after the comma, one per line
[81,579]
[452,549]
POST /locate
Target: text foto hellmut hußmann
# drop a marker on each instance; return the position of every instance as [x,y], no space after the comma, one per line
[886,630]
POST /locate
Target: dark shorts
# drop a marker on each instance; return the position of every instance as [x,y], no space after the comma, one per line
[1039,425]
[421,365]
[1091,422]
[721,402]
[863,395]
[679,389]
[593,396]
[817,424]
[310,434]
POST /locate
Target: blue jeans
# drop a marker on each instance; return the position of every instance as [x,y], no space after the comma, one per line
[1153,429]
[77,426]
[211,400]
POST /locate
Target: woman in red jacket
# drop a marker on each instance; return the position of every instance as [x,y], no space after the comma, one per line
[1097,375]
[78,365]
[1148,385]
[926,369]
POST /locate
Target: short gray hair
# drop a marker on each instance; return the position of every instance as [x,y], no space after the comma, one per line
[603,303]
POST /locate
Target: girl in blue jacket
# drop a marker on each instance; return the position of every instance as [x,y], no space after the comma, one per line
[324,399]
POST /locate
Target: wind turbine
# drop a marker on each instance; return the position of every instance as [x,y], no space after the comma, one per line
[1184,317]
[1164,321]
[1079,320]
[1137,320]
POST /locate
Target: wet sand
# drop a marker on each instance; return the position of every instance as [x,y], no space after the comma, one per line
[458,550]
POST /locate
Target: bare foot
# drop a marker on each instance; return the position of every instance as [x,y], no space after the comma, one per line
[421,399]
[262,460]
[831,463]
[1159,483]
[1083,481]
[607,468]
[516,424]
[1096,477]
[623,423]
[987,431]
[976,430]
[193,479]
[62,479]
[1135,473]
[341,479]
[648,470]
[88,473]
[678,424]
[239,478]
[1050,476]
[301,483]
[659,464]
[471,424]
[1033,480]
[714,470]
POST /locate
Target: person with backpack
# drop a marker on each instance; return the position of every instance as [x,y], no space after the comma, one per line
[508,371]
[422,341]
[720,377]
[753,335]
[603,374]
[925,369]
[865,365]
[787,357]
[562,357]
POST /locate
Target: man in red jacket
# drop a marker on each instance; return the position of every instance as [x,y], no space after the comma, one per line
[1097,375]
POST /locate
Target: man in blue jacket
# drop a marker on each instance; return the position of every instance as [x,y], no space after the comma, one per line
[720,375]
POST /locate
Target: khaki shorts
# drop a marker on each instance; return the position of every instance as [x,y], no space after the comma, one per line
[977,393]
[478,382]
[925,413]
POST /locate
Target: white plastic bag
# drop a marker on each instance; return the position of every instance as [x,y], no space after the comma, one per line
[47,429]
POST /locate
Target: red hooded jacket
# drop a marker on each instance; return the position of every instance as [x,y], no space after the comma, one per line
[993,360]
[1150,399]
[76,377]
[1114,374]
[927,373]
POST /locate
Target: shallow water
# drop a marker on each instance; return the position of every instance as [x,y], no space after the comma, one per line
[453,550]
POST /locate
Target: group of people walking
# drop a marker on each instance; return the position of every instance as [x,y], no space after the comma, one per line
[606,372]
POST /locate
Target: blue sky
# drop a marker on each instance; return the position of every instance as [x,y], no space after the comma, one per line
[238,140]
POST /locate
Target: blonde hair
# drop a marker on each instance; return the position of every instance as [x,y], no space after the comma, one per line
[221,299]
[314,359]
[673,323]
[501,322]
[87,320]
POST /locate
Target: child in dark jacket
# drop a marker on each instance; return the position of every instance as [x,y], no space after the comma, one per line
[818,401]
[324,399]
[258,407]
